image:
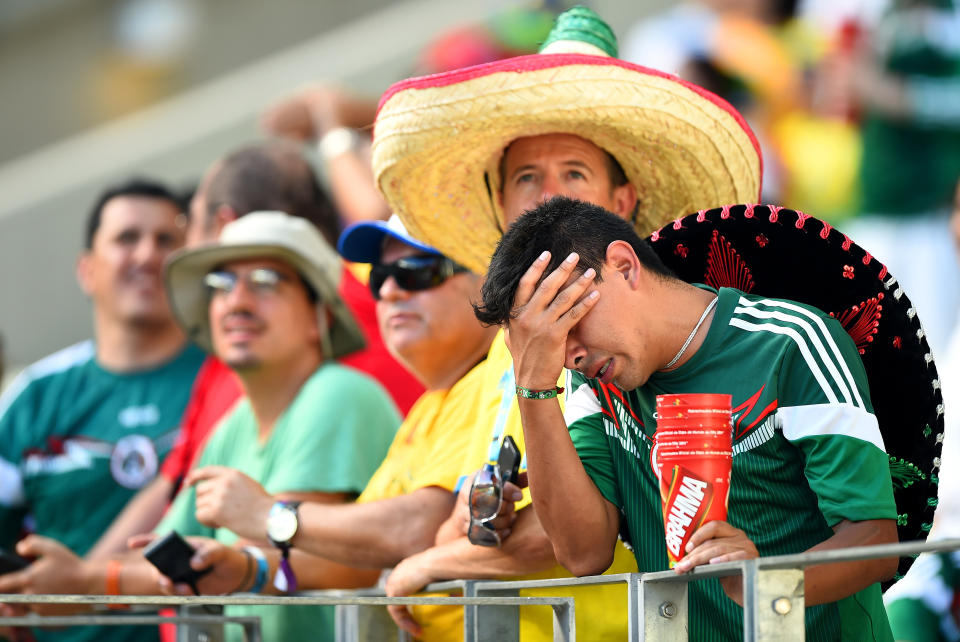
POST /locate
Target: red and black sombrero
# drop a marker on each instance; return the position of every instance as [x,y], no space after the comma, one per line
[782,253]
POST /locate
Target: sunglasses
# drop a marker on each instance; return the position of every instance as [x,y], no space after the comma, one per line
[486,496]
[413,273]
[261,281]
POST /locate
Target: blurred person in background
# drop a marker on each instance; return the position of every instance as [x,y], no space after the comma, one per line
[267,176]
[339,122]
[264,299]
[83,429]
[903,79]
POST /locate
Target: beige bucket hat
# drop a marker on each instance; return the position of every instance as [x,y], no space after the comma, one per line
[438,139]
[264,235]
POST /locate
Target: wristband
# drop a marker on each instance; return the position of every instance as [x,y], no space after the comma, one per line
[263,568]
[112,582]
[527,393]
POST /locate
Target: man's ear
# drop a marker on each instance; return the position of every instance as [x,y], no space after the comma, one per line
[624,200]
[224,214]
[84,272]
[622,263]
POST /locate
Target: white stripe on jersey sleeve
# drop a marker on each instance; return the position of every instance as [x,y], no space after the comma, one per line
[581,403]
[826,334]
[11,485]
[829,419]
[57,362]
[801,344]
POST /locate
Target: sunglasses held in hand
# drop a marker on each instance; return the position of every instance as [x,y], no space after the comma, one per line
[413,273]
[486,493]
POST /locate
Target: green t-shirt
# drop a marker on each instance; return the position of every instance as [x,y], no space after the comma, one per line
[807,450]
[924,606]
[330,439]
[77,442]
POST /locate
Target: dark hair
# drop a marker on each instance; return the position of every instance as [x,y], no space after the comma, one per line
[143,187]
[272,176]
[561,225]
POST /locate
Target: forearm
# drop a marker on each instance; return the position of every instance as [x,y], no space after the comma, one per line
[376,534]
[526,550]
[832,582]
[584,539]
[141,515]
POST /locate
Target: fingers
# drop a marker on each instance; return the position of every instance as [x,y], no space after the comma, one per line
[207,472]
[528,282]
[401,615]
[141,540]
[711,530]
[15,582]
[523,480]
[549,293]
[512,492]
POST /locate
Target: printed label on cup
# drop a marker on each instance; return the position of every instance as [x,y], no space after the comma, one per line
[692,458]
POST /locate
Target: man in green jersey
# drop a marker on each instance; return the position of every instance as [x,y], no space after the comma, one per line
[264,299]
[83,429]
[576,286]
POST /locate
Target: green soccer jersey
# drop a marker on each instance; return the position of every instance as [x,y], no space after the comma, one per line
[77,442]
[331,438]
[807,450]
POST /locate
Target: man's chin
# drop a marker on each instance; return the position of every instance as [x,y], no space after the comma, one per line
[242,363]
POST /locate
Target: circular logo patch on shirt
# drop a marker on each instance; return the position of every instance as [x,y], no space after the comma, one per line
[134,461]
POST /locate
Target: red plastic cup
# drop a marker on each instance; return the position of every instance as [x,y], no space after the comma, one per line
[692,460]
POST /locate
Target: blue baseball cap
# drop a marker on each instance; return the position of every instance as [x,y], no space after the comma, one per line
[363,242]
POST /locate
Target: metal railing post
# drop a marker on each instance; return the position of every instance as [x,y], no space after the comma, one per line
[564,622]
[634,608]
[494,623]
[773,604]
[663,611]
[200,632]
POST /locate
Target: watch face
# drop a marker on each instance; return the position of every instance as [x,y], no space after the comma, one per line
[282,523]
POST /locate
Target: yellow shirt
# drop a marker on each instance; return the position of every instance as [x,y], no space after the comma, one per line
[428,447]
[601,611]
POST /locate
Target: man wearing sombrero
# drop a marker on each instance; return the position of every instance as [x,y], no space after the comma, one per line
[460,156]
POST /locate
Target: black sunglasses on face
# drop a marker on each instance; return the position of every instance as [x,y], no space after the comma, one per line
[413,273]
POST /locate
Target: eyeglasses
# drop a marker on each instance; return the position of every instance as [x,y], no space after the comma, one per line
[413,273]
[260,281]
[486,496]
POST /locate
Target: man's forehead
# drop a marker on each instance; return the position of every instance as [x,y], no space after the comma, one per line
[550,145]
[393,249]
[246,265]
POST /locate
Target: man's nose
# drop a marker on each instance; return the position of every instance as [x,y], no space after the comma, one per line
[550,187]
[391,291]
[575,354]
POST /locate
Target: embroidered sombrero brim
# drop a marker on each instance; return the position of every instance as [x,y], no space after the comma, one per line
[782,253]
[438,141]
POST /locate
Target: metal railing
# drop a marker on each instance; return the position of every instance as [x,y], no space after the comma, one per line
[657,604]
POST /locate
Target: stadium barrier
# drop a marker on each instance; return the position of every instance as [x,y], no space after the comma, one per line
[657,602]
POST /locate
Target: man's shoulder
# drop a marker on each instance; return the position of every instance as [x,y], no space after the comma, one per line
[39,375]
[781,320]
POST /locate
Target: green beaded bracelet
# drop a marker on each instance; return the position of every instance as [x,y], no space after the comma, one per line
[527,393]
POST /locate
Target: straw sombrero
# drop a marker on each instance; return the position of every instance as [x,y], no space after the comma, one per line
[438,139]
[782,253]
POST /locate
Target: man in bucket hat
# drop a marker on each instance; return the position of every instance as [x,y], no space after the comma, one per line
[263,298]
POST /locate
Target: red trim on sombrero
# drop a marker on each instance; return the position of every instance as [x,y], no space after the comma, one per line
[535,62]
